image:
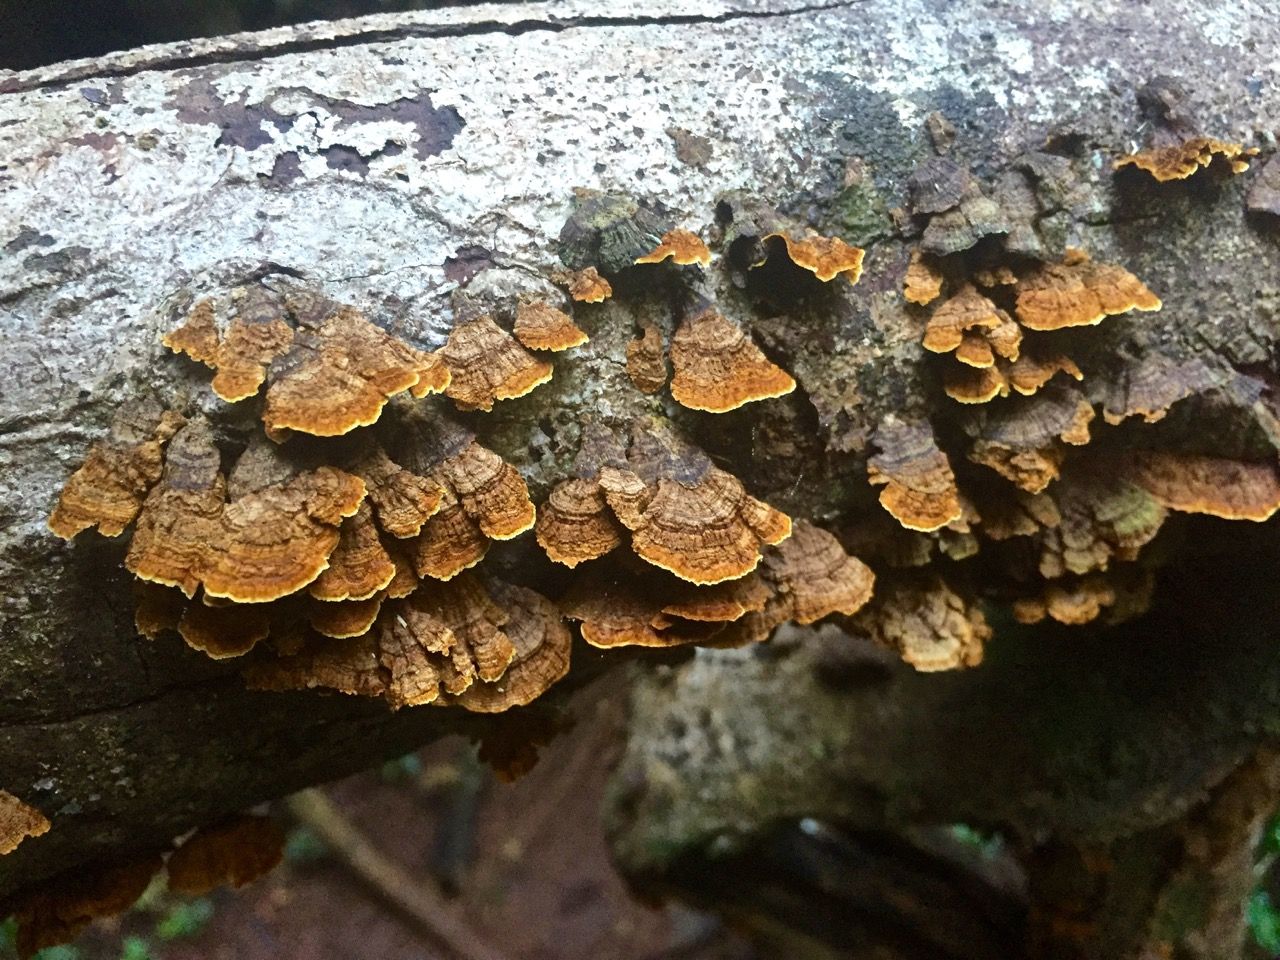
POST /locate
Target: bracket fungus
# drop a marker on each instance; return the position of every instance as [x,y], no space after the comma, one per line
[1079,292]
[402,501]
[958,213]
[718,368]
[825,257]
[703,531]
[930,625]
[963,312]
[646,365]
[1149,386]
[919,487]
[812,576]
[18,821]
[197,336]
[489,364]
[229,854]
[682,247]
[1219,487]
[339,373]
[585,286]
[923,281]
[1022,441]
[608,231]
[108,489]
[256,334]
[1178,161]
[576,524]
[359,566]
[540,326]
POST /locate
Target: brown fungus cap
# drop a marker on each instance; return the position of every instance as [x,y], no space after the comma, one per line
[613,613]
[608,230]
[1022,441]
[1149,386]
[109,487]
[1073,601]
[825,257]
[344,618]
[450,542]
[919,487]
[812,576]
[1079,292]
[491,491]
[181,518]
[230,854]
[575,523]
[704,532]
[970,384]
[489,364]
[721,603]
[974,217]
[58,910]
[967,310]
[1101,517]
[646,366]
[1230,489]
[585,286]
[256,335]
[156,608]
[1181,160]
[274,541]
[222,632]
[359,565]
[542,643]
[540,326]
[683,247]
[347,666]
[930,625]
[18,821]
[197,337]
[718,368]
[465,606]
[402,501]
[923,281]
[339,373]
[1034,368]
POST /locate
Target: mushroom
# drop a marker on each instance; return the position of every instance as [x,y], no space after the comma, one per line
[542,647]
[341,619]
[1033,368]
[256,335]
[718,368]
[645,363]
[450,542]
[608,231]
[223,631]
[585,286]
[180,518]
[930,625]
[229,854]
[540,326]
[348,666]
[969,384]
[1179,161]
[683,247]
[919,488]
[973,217]
[359,565]
[825,257]
[339,373]
[704,531]
[1073,601]
[1079,292]
[964,312]
[491,491]
[1148,387]
[108,489]
[1022,441]
[812,576]
[489,364]
[58,910]
[18,821]
[197,337]
[923,281]
[403,501]
[1188,483]
[575,523]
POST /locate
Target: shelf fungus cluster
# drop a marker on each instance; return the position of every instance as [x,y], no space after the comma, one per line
[1185,158]
[692,557]
[329,562]
[997,325]
[18,822]
[232,853]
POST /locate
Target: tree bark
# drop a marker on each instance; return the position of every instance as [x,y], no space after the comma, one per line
[391,161]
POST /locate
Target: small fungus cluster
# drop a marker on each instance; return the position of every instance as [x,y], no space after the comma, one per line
[232,853]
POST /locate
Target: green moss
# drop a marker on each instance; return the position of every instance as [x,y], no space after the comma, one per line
[859,214]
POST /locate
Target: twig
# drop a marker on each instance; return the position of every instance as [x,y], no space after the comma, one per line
[421,905]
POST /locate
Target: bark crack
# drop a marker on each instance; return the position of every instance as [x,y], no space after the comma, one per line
[417,31]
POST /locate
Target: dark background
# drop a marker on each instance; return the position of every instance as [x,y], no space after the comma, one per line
[38,32]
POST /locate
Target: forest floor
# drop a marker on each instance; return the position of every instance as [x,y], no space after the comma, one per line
[526,861]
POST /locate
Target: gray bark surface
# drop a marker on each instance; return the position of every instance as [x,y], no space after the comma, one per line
[379,160]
